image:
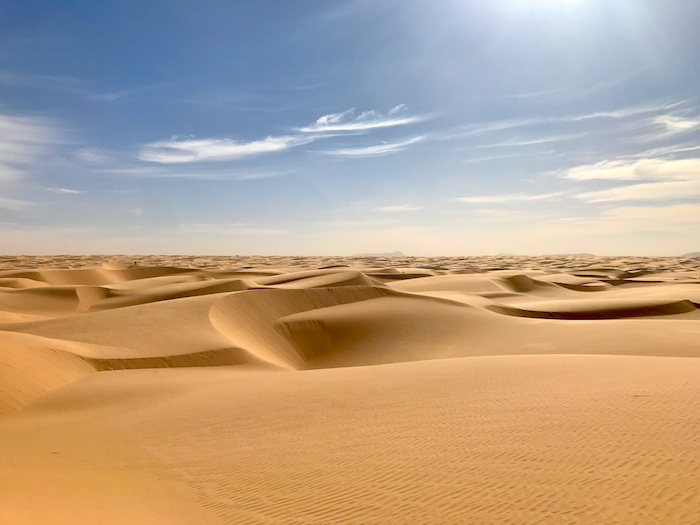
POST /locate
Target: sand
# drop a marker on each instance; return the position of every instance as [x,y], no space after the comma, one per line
[292,390]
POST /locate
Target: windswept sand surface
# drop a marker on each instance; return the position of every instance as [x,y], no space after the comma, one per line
[293,390]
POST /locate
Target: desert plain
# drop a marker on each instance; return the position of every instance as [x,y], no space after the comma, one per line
[354,390]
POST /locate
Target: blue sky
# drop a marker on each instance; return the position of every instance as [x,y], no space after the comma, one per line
[320,127]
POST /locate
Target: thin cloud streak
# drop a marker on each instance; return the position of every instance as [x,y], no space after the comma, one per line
[511,197]
[14,204]
[65,191]
[367,120]
[183,151]
[373,151]
[638,170]
[531,142]
[61,83]
[23,141]
[503,125]
[649,191]
[184,171]
[117,95]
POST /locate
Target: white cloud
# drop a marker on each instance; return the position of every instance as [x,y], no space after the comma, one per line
[647,191]
[511,197]
[64,190]
[365,121]
[662,179]
[23,140]
[676,124]
[638,170]
[398,208]
[182,151]
[372,151]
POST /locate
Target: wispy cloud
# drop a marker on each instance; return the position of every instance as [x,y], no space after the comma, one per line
[649,191]
[14,204]
[23,140]
[72,85]
[92,155]
[532,141]
[116,95]
[373,151]
[567,93]
[678,213]
[182,151]
[637,218]
[65,84]
[186,171]
[637,170]
[367,120]
[662,179]
[64,191]
[516,123]
[511,197]
[398,208]
[675,124]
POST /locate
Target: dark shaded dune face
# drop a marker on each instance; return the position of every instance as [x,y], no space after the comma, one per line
[248,318]
[604,309]
[102,298]
[470,283]
[232,356]
[92,276]
[32,366]
[19,283]
[319,278]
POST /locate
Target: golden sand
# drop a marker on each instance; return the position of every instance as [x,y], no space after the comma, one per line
[215,390]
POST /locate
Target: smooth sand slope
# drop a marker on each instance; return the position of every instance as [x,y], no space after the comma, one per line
[208,390]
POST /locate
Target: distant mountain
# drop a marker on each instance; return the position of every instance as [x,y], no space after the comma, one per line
[691,254]
[385,254]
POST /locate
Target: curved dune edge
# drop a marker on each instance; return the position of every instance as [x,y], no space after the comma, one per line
[31,366]
[592,310]
[247,318]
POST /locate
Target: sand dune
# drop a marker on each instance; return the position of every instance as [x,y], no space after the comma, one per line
[349,390]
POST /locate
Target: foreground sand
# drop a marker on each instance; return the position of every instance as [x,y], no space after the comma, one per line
[550,390]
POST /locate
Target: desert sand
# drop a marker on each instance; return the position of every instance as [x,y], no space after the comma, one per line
[354,390]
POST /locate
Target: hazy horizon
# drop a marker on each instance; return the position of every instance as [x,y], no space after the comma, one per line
[319,128]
